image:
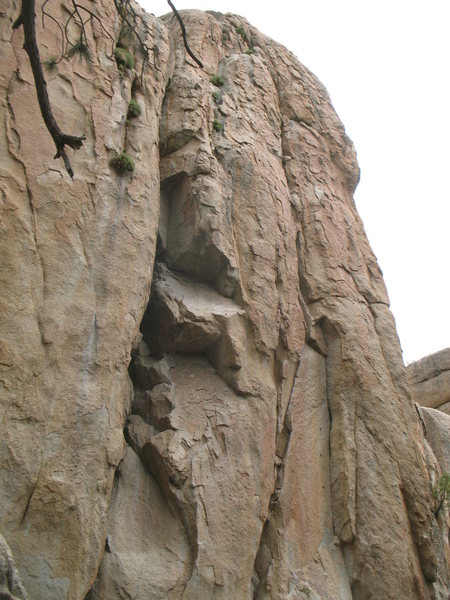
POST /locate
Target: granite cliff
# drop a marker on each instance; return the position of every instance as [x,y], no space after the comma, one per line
[202,390]
[429,380]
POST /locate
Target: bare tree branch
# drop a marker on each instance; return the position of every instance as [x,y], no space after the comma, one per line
[126,11]
[183,31]
[46,14]
[27,20]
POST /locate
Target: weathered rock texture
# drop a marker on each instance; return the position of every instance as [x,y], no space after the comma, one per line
[271,449]
[437,432]
[429,380]
[436,427]
[10,585]
[77,260]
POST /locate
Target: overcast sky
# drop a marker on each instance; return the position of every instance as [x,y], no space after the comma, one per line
[386,65]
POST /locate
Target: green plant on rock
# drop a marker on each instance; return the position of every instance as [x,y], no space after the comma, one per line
[216,96]
[442,491]
[123,58]
[217,125]
[125,37]
[122,163]
[83,18]
[241,31]
[134,109]
[250,51]
[51,63]
[80,48]
[217,80]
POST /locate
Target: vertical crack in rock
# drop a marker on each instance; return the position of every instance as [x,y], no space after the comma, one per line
[282,439]
[281,448]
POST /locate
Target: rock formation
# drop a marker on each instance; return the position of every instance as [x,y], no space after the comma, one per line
[429,380]
[10,585]
[262,443]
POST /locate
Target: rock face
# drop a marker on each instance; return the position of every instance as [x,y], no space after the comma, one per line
[10,584]
[77,259]
[266,445]
[429,380]
[436,426]
[437,432]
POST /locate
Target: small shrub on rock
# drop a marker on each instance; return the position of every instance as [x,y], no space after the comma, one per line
[122,163]
[50,64]
[241,31]
[217,125]
[217,80]
[125,37]
[442,492]
[123,58]
[134,109]
[80,48]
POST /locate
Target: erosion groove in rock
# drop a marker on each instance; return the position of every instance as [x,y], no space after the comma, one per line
[262,444]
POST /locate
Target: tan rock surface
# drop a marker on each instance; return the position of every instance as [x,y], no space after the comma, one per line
[436,426]
[11,587]
[75,273]
[429,380]
[272,448]
[437,431]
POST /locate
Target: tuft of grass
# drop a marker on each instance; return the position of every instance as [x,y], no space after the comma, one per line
[216,96]
[80,48]
[217,125]
[122,163]
[50,64]
[442,492]
[217,80]
[134,109]
[125,37]
[123,58]
[250,51]
[241,31]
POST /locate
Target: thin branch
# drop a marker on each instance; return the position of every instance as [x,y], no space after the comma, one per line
[27,20]
[183,31]
[91,18]
[133,26]
[46,14]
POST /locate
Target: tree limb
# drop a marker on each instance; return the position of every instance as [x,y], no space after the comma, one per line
[27,20]
[183,31]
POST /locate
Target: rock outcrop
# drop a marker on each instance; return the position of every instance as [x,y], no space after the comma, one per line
[77,258]
[263,442]
[429,380]
[11,587]
[437,432]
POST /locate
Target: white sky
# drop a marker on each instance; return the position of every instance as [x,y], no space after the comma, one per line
[386,65]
